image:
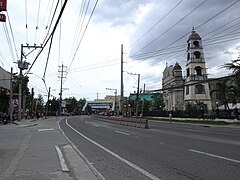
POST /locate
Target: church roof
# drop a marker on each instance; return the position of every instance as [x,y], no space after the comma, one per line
[177,67]
[194,35]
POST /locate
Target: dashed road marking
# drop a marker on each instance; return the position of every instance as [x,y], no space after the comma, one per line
[42,130]
[213,155]
[122,133]
[62,160]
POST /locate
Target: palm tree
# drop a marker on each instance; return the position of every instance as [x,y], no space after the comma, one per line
[235,67]
[225,93]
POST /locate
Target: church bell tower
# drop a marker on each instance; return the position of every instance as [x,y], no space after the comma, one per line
[196,87]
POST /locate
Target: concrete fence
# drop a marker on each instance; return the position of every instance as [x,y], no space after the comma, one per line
[134,122]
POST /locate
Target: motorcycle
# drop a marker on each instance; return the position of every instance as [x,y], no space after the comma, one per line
[5,118]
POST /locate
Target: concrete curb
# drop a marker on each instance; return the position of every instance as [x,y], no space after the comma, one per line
[27,125]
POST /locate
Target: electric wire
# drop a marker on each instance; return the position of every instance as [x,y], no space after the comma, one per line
[83,33]
[26,18]
[160,20]
[13,39]
[8,40]
[181,37]
[53,31]
[39,7]
[59,41]
[79,26]
[175,24]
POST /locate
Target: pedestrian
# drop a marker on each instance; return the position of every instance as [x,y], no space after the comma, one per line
[170,117]
[37,115]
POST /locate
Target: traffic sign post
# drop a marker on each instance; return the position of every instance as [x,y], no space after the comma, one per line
[2,18]
[3,5]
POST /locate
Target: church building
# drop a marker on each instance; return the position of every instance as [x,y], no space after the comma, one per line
[178,91]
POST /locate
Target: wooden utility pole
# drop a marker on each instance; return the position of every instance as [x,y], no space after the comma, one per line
[22,65]
[122,95]
[137,98]
[11,94]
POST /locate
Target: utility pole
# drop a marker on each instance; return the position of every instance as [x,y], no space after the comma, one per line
[122,95]
[144,87]
[97,95]
[61,88]
[46,108]
[137,96]
[11,94]
[32,103]
[22,65]
[115,99]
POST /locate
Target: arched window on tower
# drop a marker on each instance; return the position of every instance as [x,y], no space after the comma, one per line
[198,71]
[199,89]
[196,43]
[188,72]
[188,46]
[187,90]
[188,56]
[197,54]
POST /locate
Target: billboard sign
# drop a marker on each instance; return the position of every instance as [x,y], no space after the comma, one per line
[3,5]
[2,18]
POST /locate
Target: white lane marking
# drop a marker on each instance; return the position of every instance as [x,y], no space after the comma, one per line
[89,164]
[122,133]
[62,160]
[42,130]
[144,172]
[213,155]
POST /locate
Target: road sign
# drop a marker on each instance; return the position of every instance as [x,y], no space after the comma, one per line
[15,103]
[3,5]
[2,18]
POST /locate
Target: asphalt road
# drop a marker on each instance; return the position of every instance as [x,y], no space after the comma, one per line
[165,151]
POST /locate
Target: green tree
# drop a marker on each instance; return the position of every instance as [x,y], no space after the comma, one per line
[234,66]
[158,101]
[224,92]
[81,103]
[72,104]
[53,105]
[25,81]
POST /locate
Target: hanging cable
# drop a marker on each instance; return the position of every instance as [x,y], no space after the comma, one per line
[49,27]
[26,26]
[188,14]
[83,34]
[8,40]
[208,20]
[59,42]
[53,31]
[14,43]
[152,27]
[39,5]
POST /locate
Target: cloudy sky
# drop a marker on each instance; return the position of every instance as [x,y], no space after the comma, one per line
[153,34]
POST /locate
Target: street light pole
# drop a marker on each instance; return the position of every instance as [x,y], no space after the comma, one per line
[137,98]
[46,109]
[115,99]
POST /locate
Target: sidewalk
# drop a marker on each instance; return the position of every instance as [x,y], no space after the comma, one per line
[39,150]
